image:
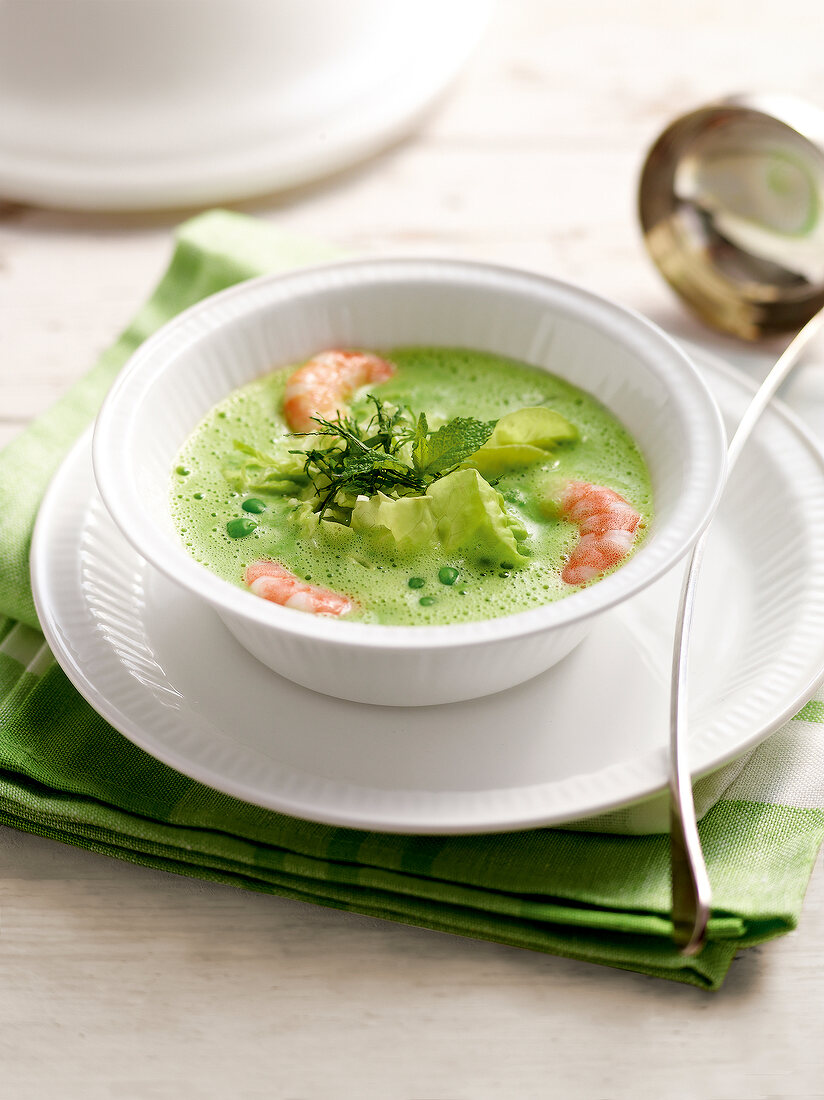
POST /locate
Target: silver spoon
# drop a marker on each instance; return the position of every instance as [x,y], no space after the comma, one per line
[731,201]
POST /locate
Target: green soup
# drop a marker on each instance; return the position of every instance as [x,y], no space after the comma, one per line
[226,525]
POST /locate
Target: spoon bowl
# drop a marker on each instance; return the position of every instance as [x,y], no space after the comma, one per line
[731,203]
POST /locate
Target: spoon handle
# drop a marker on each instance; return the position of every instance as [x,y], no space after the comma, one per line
[691,893]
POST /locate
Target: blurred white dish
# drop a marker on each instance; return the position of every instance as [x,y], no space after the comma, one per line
[193,362]
[584,737]
[139,104]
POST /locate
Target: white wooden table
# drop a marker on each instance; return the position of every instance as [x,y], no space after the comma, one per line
[120,982]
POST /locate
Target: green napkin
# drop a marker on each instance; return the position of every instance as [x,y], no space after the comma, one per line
[65,774]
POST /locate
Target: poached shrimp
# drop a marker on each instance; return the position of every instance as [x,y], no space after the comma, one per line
[271,581]
[607,524]
[324,385]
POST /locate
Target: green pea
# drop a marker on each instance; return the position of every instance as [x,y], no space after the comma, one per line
[184,471]
[416,582]
[426,601]
[241,527]
[253,505]
[447,574]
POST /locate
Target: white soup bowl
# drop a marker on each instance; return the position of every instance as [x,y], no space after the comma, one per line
[195,361]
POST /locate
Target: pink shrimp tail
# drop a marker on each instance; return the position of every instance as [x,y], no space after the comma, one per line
[273,582]
[607,524]
[324,385]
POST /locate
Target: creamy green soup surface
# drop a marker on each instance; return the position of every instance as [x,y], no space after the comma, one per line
[482,540]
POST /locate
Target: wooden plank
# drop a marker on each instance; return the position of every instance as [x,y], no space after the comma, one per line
[120,981]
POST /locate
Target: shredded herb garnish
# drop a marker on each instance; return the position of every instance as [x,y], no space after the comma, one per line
[365,459]
[391,452]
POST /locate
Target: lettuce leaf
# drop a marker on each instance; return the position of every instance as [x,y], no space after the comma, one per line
[407,523]
[460,511]
[251,470]
[472,517]
[313,526]
[521,438]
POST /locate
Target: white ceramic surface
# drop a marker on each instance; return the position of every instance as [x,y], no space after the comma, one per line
[633,367]
[584,737]
[115,104]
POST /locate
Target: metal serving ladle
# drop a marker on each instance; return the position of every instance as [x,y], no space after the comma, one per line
[732,207]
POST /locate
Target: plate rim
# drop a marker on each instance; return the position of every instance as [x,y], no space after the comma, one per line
[260,168]
[648,787]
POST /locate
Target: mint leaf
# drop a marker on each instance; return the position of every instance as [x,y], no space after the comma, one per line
[419,442]
[446,448]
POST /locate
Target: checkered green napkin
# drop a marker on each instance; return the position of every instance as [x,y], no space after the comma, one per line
[591,895]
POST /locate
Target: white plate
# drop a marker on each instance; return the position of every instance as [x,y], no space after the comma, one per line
[128,107]
[583,738]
